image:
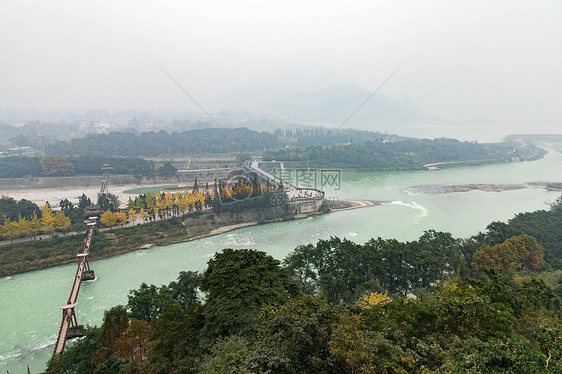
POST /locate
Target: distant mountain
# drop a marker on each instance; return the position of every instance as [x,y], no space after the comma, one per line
[332,106]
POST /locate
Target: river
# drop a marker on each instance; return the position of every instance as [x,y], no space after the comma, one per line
[30,303]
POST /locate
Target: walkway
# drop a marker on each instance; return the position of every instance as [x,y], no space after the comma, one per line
[69,321]
[293,193]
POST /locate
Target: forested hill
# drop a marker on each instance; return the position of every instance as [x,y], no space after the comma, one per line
[327,137]
[150,144]
[406,154]
[55,166]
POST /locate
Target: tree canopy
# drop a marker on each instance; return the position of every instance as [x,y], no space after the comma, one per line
[238,283]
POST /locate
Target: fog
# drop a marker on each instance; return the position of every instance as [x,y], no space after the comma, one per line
[495,62]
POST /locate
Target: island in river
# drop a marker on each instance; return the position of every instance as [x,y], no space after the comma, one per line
[488,187]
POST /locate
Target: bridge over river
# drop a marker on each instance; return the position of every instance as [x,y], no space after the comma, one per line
[299,198]
[69,327]
[294,194]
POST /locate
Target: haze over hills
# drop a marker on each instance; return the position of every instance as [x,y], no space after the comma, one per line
[333,105]
[290,104]
[293,104]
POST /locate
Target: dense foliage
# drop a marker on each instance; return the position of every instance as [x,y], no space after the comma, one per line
[546,227]
[437,304]
[150,144]
[21,166]
[326,137]
[342,270]
[12,209]
[407,154]
[254,320]
[46,223]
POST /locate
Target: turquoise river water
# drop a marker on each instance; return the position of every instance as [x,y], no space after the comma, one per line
[30,303]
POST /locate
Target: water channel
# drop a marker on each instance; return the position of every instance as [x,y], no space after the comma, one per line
[30,303]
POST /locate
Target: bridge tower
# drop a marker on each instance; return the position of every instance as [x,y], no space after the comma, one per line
[106,168]
[91,216]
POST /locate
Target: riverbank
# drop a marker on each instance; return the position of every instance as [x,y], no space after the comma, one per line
[54,189]
[40,254]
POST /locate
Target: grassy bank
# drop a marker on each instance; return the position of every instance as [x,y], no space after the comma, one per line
[40,254]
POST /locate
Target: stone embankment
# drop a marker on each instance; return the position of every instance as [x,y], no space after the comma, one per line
[204,175]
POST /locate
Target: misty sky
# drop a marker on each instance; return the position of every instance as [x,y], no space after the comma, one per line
[499,60]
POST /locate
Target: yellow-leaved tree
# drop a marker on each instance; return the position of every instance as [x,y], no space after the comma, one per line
[120,218]
[517,252]
[47,219]
[62,222]
[182,202]
[376,298]
[169,201]
[35,224]
[23,227]
[151,204]
[132,215]
[142,215]
[160,203]
[9,229]
[108,218]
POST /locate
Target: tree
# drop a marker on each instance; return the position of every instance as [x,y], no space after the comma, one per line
[184,291]
[120,218]
[133,344]
[238,283]
[169,201]
[295,337]
[464,311]
[9,230]
[182,201]
[83,202]
[167,170]
[150,204]
[177,332]
[132,215]
[56,166]
[195,187]
[23,227]
[35,224]
[520,252]
[161,203]
[47,219]
[77,357]
[108,201]
[130,203]
[107,340]
[343,271]
[108,218]
[62,222]
[142,215]
[430,257]
[148,301]
[338,269]
[227,355]
[242,157]
[365,351]
[66,204]
[8,208]
[26,208]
